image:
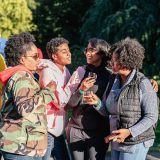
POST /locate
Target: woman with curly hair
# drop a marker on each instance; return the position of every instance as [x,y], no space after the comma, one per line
[23,129]
[132,104]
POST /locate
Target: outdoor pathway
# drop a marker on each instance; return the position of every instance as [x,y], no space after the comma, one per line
[151,156]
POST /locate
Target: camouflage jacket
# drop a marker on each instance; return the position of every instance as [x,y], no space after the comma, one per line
[23,128]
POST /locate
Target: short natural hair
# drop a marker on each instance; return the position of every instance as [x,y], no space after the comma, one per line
[102,47]
[130,53]
[17,46]
[53,44]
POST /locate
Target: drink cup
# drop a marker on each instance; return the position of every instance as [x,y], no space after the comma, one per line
[92,75]
[85,94]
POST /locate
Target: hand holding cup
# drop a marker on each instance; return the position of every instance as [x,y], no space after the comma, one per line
[90,98]
[92,75]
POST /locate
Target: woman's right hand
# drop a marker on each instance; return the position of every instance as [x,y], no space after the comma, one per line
[41,66]
[87,83]
[111,137]
[91,99]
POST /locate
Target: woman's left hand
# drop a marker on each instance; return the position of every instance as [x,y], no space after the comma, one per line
[121,135]
[41,66]
[91,99]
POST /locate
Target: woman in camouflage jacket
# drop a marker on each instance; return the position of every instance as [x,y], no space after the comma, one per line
[23,130]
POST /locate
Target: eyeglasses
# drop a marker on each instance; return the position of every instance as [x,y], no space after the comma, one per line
[90,50]
[35,57]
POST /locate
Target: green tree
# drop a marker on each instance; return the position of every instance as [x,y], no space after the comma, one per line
[15,17]
[59,18]
[114,20]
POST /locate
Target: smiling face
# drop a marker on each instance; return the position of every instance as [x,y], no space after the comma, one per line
[63,55]
[92,57]
[31,59]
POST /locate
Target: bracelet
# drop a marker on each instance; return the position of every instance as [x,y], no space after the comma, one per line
[81,92]
[99,103]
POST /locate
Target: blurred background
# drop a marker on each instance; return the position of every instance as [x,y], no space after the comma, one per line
[80,20]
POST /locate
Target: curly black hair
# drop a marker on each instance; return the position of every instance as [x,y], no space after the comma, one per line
[130,53]
[53,44]
[102,47]
[17,46]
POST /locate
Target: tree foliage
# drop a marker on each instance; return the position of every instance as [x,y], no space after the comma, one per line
[114,20]
[80,20]
[15,17]
[59,18]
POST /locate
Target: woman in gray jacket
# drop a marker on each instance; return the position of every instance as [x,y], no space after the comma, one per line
[132,104]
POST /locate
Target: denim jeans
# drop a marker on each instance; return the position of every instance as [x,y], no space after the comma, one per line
[50,147]
[11,156]
[56,148]
[139,154]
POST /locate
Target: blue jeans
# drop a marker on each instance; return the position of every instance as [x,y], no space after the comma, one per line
[50,147]
[139,154]
[56,148]
[11,156]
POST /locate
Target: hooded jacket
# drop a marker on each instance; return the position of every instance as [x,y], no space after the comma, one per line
[23,128]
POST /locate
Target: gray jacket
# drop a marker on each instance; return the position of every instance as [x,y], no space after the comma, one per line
[130,111]
[148,102]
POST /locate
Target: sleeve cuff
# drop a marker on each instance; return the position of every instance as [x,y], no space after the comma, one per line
[98,105]
[81,92]
[132,132]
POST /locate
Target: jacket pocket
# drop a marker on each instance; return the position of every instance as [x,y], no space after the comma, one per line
[36,138]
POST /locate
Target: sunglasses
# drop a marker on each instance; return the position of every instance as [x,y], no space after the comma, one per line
[90,50]
[35,57]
